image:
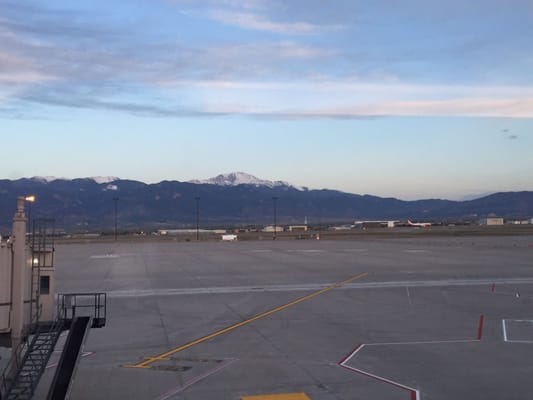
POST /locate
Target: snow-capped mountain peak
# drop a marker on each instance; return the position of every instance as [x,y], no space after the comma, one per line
[104,179]
[45,179]
[240,178]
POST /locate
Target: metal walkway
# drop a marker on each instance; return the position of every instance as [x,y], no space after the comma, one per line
[69,358]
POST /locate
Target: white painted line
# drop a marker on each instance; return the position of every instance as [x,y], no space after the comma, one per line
[424,342]
[438,283]
[311,287]
[215,290]
[357,350]
[105,256]
[504,331]
[506,336]
[355,250]
[520,341]
[344,364]
[415,251]
[408,295]
[118,255]
[379,378]
[306,251]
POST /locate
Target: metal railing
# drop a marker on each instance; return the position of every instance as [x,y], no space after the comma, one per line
[73,305]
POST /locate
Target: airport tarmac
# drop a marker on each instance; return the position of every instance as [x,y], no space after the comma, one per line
[423,318]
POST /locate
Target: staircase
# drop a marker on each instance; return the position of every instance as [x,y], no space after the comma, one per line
[29,363]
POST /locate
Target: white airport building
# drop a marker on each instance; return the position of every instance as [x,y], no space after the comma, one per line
[491,221]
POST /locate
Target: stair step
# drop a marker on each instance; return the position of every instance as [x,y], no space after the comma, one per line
[24,379]
[39,352]
[38,349]
[42,350]
[19,389]
[35,360]
[43,340]
[38,355]
[43,343]
[17,394]
[28,371]
[24,385]
[43,346]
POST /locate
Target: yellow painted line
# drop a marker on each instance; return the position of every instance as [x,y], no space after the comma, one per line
[136,366]
[161,357]
[288,396]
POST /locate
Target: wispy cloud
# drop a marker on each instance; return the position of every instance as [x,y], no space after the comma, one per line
[262,60]
[16,70]
[450,108]
[344,99]
[298,100]
[17,65]
[506,108]
[248,20]
[79,100]
[298,17]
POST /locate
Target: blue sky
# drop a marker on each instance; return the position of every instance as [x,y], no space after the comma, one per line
[410,99]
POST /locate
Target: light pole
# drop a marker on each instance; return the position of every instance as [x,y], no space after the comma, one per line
[197,198]
[115,200]
[29,200]
[275,200]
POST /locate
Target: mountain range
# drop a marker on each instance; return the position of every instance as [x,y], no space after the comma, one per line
[88,204]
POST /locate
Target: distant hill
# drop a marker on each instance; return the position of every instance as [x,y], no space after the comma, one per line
[87,204]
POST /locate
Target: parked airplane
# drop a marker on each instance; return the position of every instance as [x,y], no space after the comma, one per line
[419,224]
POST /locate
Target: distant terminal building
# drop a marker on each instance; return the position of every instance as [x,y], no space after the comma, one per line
[519,222]
[491,221]
[270,228]
[297,228]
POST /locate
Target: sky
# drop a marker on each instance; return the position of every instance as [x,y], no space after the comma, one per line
[409,99]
